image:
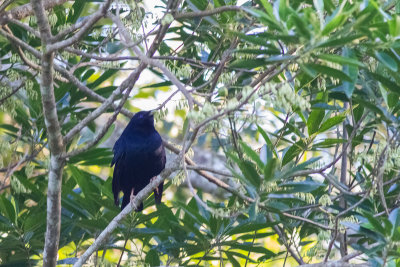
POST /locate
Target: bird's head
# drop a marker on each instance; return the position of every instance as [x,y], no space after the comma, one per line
[143,120]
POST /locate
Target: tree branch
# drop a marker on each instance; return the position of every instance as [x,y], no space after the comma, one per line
[126,38]
[26,10]
[55,139]
[139,198]
[103,130]
[84,28]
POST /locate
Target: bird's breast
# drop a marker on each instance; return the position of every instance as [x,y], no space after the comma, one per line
[143,144]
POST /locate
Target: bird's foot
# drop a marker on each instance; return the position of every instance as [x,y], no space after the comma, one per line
[156,189]
[132,197]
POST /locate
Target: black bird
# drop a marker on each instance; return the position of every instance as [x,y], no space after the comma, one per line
[139,156]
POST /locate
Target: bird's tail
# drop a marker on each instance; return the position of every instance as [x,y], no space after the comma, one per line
[158,193]
[115,189]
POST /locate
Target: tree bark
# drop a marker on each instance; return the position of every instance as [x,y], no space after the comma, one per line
[55,140]
[56,163]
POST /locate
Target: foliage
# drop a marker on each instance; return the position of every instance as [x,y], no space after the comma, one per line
[301,98]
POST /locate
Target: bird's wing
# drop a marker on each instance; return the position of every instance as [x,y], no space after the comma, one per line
[160,159]
[164,157]
[118,150]
[118,160]
[116,188]
[160,154]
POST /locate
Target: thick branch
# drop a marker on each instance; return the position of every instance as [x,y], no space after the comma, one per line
[43,23]
[139,198]
[55,140]
[26,10]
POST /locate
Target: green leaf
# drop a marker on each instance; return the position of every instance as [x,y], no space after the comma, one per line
[267,140]
[394,218]
[36,194]
[301,25]
[94,156]
[328,142]
[324,106]
[389,85]
[264,18]
[240,255]
[250,173]
[251,226]
[341,60]
[152,258]
[81,180]
[87,74]
[293,152]
[284,10]
[253,211]
[10,128]
[269,169]
[394,25]
[386,60]
[329,123]
[288,171]
[303,165]
[314,120]
[350,70]
[103,77]
[252,248]
[393,100]
[191,210]
[77,9]
[335,73]
[297,187]
[375,223]
[364,231]
[255,235]
[268,51]
[254,39]
[267,6]
[340,41]
[333,24]
[231,259]
[319,6]
[8,209]
[247,63]
[156,85]
[252,154]
[369,105]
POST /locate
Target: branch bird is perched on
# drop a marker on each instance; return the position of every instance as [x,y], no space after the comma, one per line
[139,156]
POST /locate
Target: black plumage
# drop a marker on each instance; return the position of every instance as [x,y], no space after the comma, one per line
[139,156]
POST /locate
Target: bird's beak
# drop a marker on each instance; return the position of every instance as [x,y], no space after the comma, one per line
[151,112]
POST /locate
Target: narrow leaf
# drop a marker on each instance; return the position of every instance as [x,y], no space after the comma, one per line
[329,123]
[386,60]
[252,154]
[335,73]
[269,169]
[314,120]
[341,60]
